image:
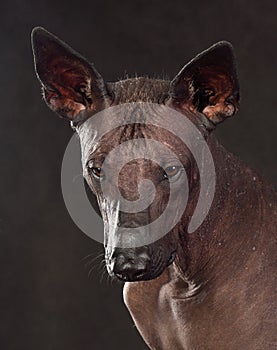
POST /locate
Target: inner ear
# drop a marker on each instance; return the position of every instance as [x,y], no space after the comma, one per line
[69,90]
[71,85]
[209,84]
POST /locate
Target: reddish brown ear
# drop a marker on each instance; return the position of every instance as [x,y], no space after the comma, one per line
[71,85]
[209,83]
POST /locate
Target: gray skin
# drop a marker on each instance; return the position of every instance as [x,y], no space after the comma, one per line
[215,288]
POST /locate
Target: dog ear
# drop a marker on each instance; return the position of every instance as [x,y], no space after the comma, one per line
[209,83]
[71,85]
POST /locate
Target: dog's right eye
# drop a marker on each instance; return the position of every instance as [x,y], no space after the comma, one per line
[96,172]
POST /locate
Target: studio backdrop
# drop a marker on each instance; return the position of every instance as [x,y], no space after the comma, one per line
[52,295]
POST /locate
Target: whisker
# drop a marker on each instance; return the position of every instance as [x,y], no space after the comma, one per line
[89,255]
[96,265]
[104,271]
[90,262]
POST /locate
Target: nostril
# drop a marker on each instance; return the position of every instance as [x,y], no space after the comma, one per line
[121,276]
[139,273]
[129,265]
[129,272]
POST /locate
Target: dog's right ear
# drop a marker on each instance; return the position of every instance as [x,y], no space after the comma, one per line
[71,85]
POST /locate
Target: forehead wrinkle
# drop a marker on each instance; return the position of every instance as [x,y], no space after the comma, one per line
[132,131]
[133,127]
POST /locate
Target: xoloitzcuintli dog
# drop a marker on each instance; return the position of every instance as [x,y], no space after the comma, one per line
[211,289]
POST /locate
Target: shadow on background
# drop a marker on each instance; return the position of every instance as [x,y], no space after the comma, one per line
[47,300]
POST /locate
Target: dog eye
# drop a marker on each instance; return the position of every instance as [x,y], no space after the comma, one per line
[172,172]
[97,172]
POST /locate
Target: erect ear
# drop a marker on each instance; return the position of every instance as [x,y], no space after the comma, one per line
[71,85]
[209,83]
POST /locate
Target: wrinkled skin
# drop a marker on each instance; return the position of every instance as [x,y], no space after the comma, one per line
[148,261]
[215,288]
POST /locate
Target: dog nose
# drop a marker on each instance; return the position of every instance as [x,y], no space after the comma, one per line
[129,272]
[128,266]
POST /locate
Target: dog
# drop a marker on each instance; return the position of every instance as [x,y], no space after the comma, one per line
[210,289]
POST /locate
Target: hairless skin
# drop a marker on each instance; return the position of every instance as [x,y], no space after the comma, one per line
[215,288]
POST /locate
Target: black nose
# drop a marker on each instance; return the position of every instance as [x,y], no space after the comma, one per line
[128,264]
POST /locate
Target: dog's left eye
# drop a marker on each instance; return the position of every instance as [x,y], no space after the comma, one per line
[172,172]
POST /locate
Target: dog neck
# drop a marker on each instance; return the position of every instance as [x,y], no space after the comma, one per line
[218,247]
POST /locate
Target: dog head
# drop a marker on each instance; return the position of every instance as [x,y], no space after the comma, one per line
[205,91]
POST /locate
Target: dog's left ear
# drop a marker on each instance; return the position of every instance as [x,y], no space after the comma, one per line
[209,84]
[71,85]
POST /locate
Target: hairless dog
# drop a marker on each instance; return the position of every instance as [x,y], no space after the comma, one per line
[214,288]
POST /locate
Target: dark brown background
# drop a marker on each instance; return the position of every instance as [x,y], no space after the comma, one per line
[47,301]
